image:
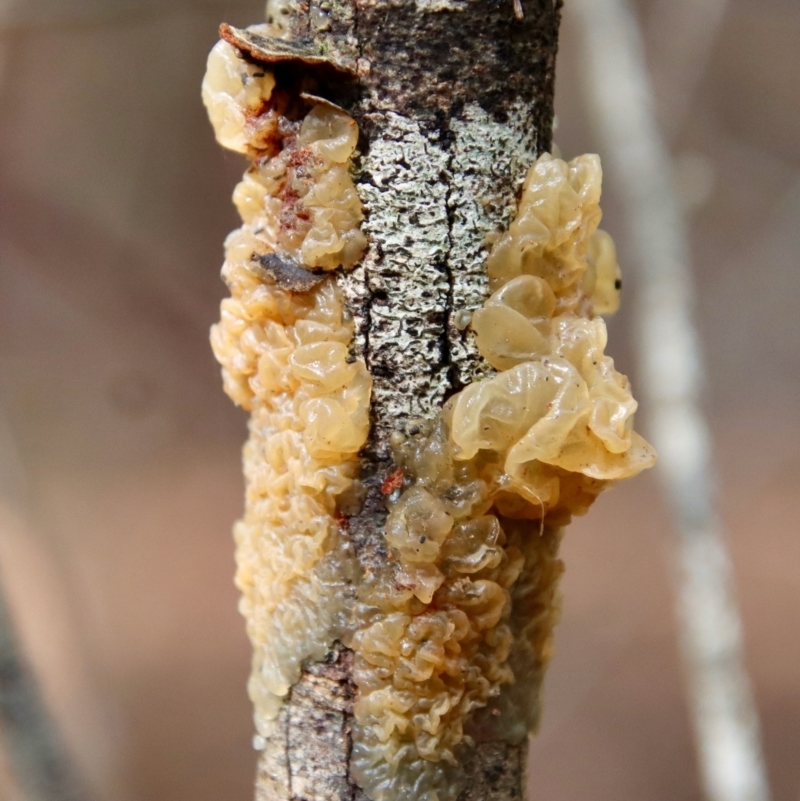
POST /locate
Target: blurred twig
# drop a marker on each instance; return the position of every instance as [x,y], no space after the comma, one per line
[683,33]
[725,718]
[35,751]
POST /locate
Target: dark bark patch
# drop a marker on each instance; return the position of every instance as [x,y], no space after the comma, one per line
[288,275]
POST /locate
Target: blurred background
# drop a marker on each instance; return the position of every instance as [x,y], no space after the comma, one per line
[119,454]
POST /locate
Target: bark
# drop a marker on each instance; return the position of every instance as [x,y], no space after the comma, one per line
[454,101]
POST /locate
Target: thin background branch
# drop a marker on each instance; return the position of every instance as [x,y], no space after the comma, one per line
[36,753]
[725,718]
[681,36]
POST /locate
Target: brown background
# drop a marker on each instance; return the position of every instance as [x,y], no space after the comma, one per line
[119,454]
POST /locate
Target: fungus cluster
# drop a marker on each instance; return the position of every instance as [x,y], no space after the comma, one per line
[452,634]
[457,628]
[283,343]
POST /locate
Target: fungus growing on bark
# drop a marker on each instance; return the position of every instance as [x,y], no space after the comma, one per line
[458,626]
[283,343]
[450,625]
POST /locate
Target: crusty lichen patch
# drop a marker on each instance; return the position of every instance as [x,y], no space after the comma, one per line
[456,629]
[283,343]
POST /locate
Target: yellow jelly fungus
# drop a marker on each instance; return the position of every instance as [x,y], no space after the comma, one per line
[234,92]
[453,633]
[457,628]
[283,343]
[603,279]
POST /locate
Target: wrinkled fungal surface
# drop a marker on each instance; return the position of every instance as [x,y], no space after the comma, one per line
[451,633]
[283,343]
[457,628]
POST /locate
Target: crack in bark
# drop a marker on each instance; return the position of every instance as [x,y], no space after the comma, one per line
[447,351]
[287,741]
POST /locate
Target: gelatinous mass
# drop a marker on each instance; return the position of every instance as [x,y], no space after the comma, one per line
[452,634]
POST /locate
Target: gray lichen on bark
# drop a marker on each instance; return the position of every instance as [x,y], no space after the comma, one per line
[454,101]
[404,188]
[307,756]
[487,163]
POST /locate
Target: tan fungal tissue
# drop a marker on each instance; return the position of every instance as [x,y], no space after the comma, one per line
[283,343]
[458,626]
[452,636]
